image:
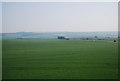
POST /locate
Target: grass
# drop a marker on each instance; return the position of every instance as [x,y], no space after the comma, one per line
[0,59]
[59,59]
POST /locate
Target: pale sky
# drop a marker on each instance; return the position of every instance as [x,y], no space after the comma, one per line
[0,17]
[59,16]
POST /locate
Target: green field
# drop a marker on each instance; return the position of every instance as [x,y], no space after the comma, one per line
[0,59]
[59,59]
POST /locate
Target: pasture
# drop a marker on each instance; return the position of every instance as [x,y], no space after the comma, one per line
[59,59]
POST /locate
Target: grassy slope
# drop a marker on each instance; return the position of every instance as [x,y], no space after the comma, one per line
[59,59]
[0,59]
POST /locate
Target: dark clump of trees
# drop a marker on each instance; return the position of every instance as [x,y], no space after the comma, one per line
[96,37]
[19,38]
[67,39]
[114,41]
[100,39]
[87,38]
[61,37]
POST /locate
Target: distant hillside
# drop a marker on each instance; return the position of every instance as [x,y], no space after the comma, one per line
[56,34]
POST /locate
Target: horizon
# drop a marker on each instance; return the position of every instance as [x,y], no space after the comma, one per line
[59,31]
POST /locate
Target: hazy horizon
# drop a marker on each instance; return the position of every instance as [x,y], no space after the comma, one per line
[60,31]
[59,17]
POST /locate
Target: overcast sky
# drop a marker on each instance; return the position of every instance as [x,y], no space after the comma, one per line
[59,16]
[0,17]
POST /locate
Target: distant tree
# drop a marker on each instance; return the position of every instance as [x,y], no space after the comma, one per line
[96,37]
[67,39]
[87,38]
[118,36]
[115,41]
[19,38]
[61,37]
[99,39]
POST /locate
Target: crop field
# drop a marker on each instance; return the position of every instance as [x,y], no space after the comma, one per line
[59,59]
